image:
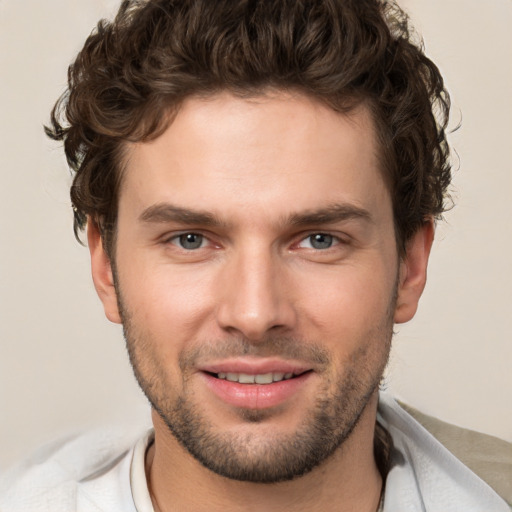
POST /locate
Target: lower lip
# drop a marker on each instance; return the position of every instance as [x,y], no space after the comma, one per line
[255,396]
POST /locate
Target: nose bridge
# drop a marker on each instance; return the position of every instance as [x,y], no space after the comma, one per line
[254,297]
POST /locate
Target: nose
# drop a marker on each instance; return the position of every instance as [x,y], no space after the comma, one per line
[255,296]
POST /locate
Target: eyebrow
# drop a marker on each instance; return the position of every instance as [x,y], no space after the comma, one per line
[166,212]
[330,215]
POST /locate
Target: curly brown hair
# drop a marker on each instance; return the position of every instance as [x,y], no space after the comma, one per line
[133,73]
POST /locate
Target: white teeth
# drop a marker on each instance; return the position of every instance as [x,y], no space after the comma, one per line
[244,378]
[263,378]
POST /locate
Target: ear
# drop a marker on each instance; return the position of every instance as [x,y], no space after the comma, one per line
[102,273]
[413,272]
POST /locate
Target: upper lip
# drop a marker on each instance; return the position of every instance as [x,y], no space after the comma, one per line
[256,366]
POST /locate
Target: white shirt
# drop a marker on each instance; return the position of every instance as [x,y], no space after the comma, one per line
[103,471]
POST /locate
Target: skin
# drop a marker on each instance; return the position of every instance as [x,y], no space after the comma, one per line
[257,286]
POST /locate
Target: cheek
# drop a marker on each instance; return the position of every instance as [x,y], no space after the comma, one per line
[168,303]
[348,303]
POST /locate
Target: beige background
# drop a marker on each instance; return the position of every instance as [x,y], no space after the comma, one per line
[63,367]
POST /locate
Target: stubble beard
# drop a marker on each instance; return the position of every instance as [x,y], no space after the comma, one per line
[268,458]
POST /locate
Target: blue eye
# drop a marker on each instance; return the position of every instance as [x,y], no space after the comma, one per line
[318,241]
[321,241]
[190,241]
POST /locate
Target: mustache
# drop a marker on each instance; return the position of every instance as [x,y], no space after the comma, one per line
[283,347]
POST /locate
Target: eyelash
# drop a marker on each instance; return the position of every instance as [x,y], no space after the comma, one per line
[333,239]
[177,238]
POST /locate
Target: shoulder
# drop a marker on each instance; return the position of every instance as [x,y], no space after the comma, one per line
[487,456]
[444,467]
[53,477]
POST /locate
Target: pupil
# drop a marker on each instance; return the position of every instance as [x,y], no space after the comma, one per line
[191,241]
[321,241]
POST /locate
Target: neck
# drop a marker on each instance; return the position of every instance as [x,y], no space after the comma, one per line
[348,481]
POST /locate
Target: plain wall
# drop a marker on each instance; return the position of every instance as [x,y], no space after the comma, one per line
[63,367]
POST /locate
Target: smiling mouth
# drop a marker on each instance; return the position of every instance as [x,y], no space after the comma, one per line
[262,378]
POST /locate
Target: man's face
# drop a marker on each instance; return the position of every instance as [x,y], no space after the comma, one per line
[257,278]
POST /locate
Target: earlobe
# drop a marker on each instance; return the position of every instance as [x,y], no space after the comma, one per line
[413,272]
[102,273]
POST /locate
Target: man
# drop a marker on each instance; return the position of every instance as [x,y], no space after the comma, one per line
[259,183]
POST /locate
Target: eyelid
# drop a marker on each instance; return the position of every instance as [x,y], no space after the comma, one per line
[338,238]
[212,240]
[175,240]
[176,233]
[171,237]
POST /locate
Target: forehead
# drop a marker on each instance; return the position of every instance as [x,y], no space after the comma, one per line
[273,153]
